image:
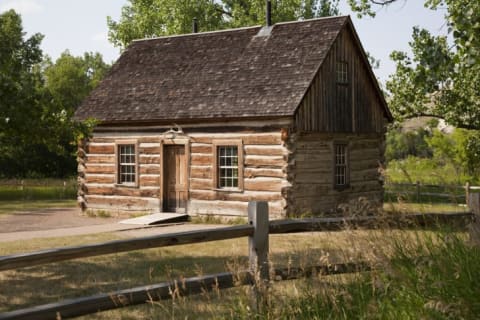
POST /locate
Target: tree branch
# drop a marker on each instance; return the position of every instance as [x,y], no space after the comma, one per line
[382,2]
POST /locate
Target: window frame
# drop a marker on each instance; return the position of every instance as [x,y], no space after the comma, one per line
[345,165]
[216,165]
[341,72]
[118,145]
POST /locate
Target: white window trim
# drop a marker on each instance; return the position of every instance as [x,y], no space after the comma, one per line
[227,143]
[117,163]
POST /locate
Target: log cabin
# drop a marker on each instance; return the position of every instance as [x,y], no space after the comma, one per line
[202,123]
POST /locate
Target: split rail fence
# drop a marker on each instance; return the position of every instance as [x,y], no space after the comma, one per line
[258,275]
[421,192]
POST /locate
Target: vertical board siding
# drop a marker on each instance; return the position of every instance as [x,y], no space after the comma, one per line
[331,107]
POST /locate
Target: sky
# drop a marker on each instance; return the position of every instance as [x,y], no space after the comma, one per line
[81,26]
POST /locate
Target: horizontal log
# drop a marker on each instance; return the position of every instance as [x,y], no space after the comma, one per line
[149,159]
[121,202]
[150,169]
[230,208]
[153,139]
[90,159]
[101,148]
[365,154]
[264,184]
[268,150]
[157,241]
[97,178]
[358,165]
[149,180]
[102,169]
[250,172]
[323,156]
[234,196]
[201,184]
[264,161]
[200,159]
[121,191]
[313,177]
[250,139]
[150,150]
[203,172]
[103,140]
[201,148]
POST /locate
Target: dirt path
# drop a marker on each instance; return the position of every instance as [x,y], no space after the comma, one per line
[62,222]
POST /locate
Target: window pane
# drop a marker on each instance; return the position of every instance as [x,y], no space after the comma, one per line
[126,163]
[227,166]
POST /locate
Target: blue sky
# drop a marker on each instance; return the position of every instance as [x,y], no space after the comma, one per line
[80,25]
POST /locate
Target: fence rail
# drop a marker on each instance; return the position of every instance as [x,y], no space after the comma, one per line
[419,191]
[257,230]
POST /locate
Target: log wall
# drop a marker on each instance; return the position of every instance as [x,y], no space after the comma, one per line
[265,161]
[100,191]
[311,172]
[264,171]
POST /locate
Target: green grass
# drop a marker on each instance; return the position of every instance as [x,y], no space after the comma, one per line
[409,207]
[357,296]
[436,278]
[8,207]
[41,189]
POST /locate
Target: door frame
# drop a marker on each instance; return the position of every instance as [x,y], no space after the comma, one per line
[185,142]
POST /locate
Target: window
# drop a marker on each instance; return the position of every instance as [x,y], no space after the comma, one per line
[341,166]
[127,164]
[228,164]
[342,72]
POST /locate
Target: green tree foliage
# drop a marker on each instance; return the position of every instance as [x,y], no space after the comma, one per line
[150,18]
[402,144]
[441,80]
[459,149]
[37,100]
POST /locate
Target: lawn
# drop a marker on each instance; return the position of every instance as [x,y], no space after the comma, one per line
[81,277]
[7,207]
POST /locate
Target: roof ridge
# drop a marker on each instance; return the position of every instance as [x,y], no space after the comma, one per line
[196,34]
[312,19]
[237,29]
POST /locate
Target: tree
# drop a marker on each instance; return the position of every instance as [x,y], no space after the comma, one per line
[441,80]
[37,101]
[19,83]
[150,18]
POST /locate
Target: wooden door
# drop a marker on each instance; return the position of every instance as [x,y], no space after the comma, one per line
[175,179]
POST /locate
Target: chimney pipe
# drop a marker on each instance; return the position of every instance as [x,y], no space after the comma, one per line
[269,13]
[195,25]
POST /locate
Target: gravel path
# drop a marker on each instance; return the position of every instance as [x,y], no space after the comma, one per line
[62,222]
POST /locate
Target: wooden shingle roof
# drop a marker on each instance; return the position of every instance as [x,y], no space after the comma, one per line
[223,74]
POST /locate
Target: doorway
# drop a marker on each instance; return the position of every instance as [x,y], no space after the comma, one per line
[174,179]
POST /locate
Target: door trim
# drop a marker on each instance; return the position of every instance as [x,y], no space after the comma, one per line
[180,141]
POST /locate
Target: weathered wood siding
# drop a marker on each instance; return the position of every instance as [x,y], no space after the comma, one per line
[311,172]
[332,107]
[99,168]
[264,171]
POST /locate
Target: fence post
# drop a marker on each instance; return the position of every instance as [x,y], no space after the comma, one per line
[418,191]
[467,192]
[474,228]
[258,253]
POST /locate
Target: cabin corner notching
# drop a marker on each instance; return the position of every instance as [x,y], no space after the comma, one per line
[296,119]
